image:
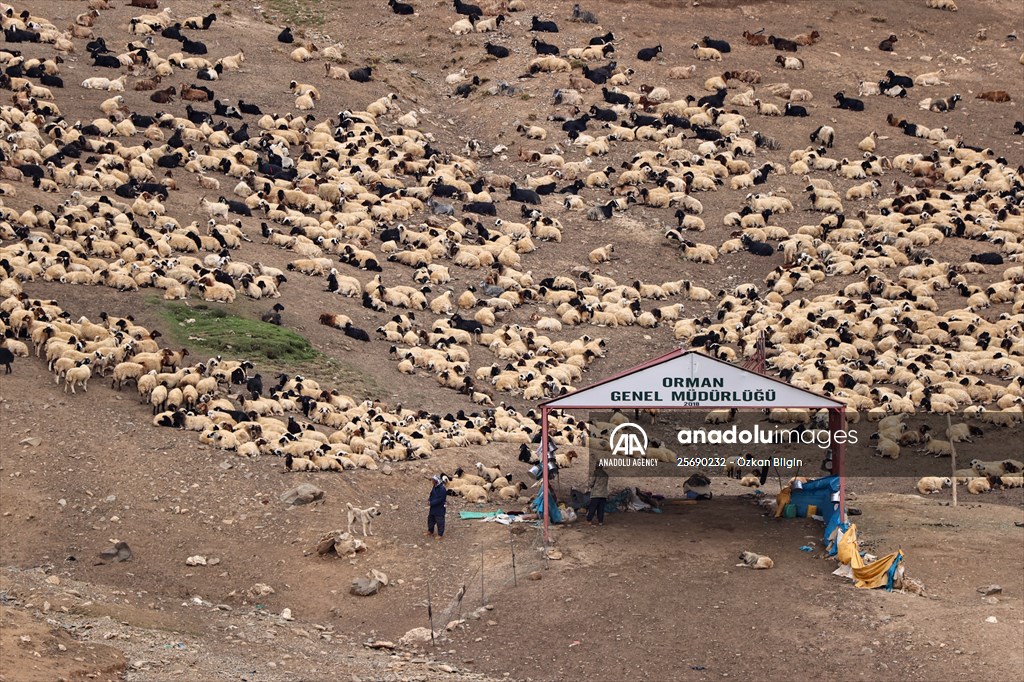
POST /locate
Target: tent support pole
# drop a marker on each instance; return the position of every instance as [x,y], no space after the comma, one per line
[839,453]
[544,468]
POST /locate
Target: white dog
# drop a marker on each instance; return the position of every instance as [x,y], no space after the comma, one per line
[365,517]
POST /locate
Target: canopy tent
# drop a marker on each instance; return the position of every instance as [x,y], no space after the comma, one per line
[687,380]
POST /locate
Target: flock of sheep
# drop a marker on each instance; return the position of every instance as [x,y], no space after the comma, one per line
[367,191]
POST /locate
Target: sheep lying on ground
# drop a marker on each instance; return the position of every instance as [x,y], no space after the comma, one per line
[932,484]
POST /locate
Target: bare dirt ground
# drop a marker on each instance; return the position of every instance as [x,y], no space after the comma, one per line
[652,596]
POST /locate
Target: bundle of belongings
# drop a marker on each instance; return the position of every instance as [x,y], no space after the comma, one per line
[627,499]
[698,487]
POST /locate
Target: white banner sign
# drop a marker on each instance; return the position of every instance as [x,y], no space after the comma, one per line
[690,379]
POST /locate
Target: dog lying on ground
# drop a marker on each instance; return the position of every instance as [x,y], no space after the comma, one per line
[755,561]
[365,517]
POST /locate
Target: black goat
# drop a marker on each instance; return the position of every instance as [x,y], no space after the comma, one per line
[6,359]
[285,36]
[467,9]
[361,75]
[497,51]
[192,46]
[542,26]
[524,196]
[224,109]
[247,108]
[898,79]
[105,60]
[648,53]
[603,114]
[480,208]
[848,103]
[794,110]
[471,326]
[887,44]
[401,7]
[602,40]
[716,100]
[356,333]
[720,45]
[757,248]
[782,44]
[615,97]
[543,48]
[204,25]
[946,104]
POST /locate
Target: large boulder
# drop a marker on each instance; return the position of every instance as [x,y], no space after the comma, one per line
[302,494]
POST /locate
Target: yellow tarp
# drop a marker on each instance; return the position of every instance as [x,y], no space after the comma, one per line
[847,551]
[875,574]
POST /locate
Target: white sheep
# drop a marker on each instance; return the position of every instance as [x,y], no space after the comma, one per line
[976,486]
[78,376]
[489,473]
[932,484]
[706,54]
[601,254]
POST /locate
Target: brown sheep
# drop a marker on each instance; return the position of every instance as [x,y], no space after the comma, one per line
[192,94]
[807,38]
[163,96]
[148,83]
[995,96]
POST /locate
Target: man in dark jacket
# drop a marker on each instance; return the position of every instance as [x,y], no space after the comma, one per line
[438,498]
[598,488]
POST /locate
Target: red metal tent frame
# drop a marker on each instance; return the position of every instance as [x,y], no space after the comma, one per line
[836,420]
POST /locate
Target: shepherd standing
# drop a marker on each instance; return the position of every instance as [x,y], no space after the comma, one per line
[438,499]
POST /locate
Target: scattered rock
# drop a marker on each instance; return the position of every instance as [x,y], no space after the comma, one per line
[535,575]
[989,590]
[990,600]
[380,644]
[259,590]
[416,636]
[119,552]
[554,554]
[991,619]
[196,560]
[365,587]
[34,442]
[386,470]
[379,576]
[286,614]
[52,580]
[305,493]
[454,624]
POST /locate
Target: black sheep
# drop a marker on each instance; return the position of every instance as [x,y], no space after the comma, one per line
[543,26]
[497,51]
[598,76]
[285,36]
[720,45]
[603,114]
[225,110]
[172,32]
[987,258]
[51,81]
[254,385]
[602,40]
[848,103]
[6,359]
[356,333]
[794,110]
[401,7]
[648,53]
[471,326]
[1018,128]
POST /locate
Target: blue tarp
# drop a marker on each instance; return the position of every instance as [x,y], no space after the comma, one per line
[819,493]
[538,506]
